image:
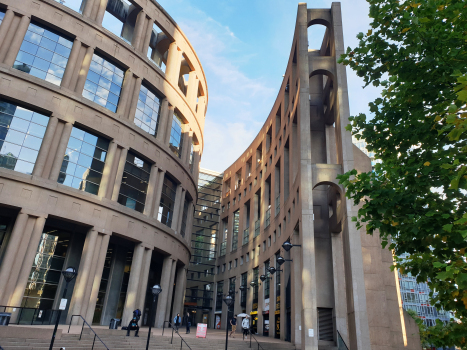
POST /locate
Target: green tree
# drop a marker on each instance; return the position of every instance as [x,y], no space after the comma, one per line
[416,198]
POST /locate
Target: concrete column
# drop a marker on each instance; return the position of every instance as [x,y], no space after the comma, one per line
[109,161]
[147,36]
[174,60]
[70,67]
[192,91]
[45,146]
[201,106]
[168,314]
[188,138]
[92,273]
[61,149]
[189,223]
[11,253]
[118,176]
[96,281]
[168,130]
[179,291]
[138,34]
[133,284]
[196,161]
[134,99]
[163,296]
[152,184]
[157,198]
[143,284]
[126,92]
[102,5]
[83,72]
[83,275]
[176,213]
[163,118]
[17,41]
[6,23]
[88,8]
[297,294]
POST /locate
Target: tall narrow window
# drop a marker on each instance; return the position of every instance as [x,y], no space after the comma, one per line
[103,285]
[103,83]
[267,280]
[84,161]
[184,218]
[243,292]
[2,15]
[148,110]
[44,54]
[21,133]
[158,44]
[192,156]
[166,206]
[120,18]
[220,291]
[176,140]
[255,288]
[134,183]
[236,224]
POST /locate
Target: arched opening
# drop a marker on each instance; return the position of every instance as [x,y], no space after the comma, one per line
[319,37]
[158,47]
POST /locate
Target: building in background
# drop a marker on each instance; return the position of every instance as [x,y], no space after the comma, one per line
[361,145]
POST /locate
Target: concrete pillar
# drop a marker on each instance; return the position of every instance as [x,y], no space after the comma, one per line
[152,184]
[176,213]
[147,36]
[92,273]
[70,67]
[168,130]
[163,119]
[196,161]
[83,275]
[168,306]
[6,23]
[96,281]
[88,8]
[45,146]
[138,34]
[134,100]
[143,283]
[174,60]
[119,175]
[192,91]
[109,161]
[163,296]
[102,5]
[61,149]
[180,213]
[125,93]
[83,72]
[157,197]
[17,41]
[179,291]
[133,284]
[297,294]
[201,107]
[187,142]
[11,253]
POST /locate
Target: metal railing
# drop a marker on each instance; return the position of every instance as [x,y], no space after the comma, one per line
[259,345]
[257,224]
[341,343]
[176,332]
[87,324]
[30,316]
[246,235]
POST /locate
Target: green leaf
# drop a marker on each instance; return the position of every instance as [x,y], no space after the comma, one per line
[447,227]
[430,213]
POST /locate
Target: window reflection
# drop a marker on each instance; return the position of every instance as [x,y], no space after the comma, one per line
[166,206]
[148,110]
[176,140]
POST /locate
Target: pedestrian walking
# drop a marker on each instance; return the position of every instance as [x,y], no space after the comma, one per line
[246,327]
[233,323]
[177,322]
[187,321]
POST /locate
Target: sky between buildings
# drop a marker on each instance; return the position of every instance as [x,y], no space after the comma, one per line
[244,46]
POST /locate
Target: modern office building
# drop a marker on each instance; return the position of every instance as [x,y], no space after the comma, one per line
[335,283]
[102,107]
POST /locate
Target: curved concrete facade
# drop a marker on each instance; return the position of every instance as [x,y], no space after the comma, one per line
[336,283]
[152,173]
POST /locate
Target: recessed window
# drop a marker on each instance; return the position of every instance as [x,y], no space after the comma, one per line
[120,18]
[176,140]
[2,15]
[84,161]
[241,260]
[103,83]
[21,133]
[184,218]
[167,204]
[192,150]
[44,54]
[148,110]
[248,257]
[134,183]
[158,47]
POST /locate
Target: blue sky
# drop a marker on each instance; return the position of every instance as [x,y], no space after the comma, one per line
[244,47]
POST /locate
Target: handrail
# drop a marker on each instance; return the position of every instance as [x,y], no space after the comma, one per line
[181,339]
[87,324]
[259,345]
[36,314]
[163,326]
[340,341]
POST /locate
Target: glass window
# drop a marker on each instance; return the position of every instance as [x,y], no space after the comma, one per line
[236,224]
[21,133]
[157,50]
[220,291]
[134,183]
[75,5]
[104,83]
[192,156]
[267,280]
[148,110]
[103,285]
[120,18]
[166,206]
[184,218]
[43,54]
[176,140]
[255,288]
[84,161]
[2,15]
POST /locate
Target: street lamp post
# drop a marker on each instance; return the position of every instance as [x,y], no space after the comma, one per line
[228,300]
[287,246]
[68,275]
[156,290]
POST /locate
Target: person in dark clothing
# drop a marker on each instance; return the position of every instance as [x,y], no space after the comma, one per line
[233,323]
[177,322]
[133,326]
[187,321]
[137,314]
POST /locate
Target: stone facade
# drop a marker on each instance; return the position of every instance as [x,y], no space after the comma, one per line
[105,177]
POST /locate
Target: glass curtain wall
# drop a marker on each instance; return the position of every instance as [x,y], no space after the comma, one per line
[176,139]
[148,110]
